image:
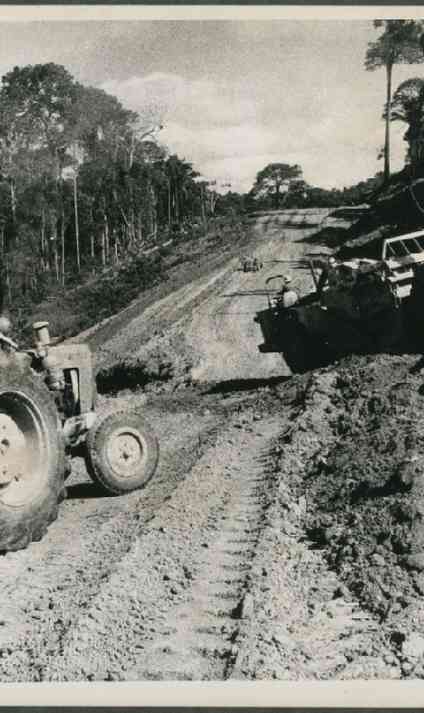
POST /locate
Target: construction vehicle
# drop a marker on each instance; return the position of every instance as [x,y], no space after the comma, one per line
[48,415]
[251,264]
[358,306]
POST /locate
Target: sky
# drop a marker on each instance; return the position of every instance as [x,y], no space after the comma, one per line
[232,95]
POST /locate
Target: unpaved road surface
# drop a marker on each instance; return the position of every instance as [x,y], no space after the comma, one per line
[232,563]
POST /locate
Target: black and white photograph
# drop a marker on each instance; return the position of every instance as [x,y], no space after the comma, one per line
[211,348]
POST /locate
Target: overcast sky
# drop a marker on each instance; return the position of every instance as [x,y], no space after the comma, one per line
[234,96]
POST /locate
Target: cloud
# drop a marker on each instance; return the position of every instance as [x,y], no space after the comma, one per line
[212,123]
[229,133]
[194,101]
[207,143]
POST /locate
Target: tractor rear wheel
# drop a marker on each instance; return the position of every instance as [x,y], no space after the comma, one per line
[122,452]
[32,457]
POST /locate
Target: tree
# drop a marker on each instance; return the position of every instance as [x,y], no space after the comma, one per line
[398,43]
[276,180]
[408,107]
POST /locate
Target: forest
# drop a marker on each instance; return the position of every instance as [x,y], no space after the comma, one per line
[84,183]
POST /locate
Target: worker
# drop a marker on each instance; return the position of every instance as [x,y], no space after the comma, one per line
[286,297]
[328,269]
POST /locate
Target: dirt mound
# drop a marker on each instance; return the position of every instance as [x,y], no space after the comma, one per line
[365,486]
[164,364]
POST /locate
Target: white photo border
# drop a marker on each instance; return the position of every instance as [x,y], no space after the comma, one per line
[302,695]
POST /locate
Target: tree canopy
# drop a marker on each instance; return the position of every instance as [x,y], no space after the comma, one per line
[275,181]
[408,107]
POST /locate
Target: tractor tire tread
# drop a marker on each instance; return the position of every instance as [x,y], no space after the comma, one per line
[21,526]
[95,465]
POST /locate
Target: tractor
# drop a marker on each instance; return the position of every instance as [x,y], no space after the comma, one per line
[358,306]
[47,416]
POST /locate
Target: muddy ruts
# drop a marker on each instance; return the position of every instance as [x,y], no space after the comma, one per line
[48,586]
[172,608]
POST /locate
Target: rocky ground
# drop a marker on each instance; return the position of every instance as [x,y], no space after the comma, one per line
[282,536]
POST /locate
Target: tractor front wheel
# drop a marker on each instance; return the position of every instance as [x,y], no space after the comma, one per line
[122,452]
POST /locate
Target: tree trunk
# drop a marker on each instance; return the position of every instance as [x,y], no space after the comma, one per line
[43,242]
[62,245]
[13,199]
[92,254]
[202,194]
[77,245]
[103,249]
[177,207]
[106,239]
[154,201]
[53,246]
[169,202]
[56,261]
[389,70]
[132,226]
[8,284]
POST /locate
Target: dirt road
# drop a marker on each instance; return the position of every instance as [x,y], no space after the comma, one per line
[209,573]
[206,327]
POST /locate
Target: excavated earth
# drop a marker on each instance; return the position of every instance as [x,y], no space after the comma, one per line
[282,536]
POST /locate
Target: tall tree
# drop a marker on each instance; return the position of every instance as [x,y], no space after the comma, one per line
[398,43]
[275,181]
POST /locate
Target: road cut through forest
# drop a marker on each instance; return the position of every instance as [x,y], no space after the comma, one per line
[281,537]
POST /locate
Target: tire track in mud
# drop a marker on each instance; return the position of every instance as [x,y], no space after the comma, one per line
[198,641]
[50,583]
[170,610]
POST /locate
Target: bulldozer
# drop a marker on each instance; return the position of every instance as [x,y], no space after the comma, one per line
[361,305]
[48,415]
